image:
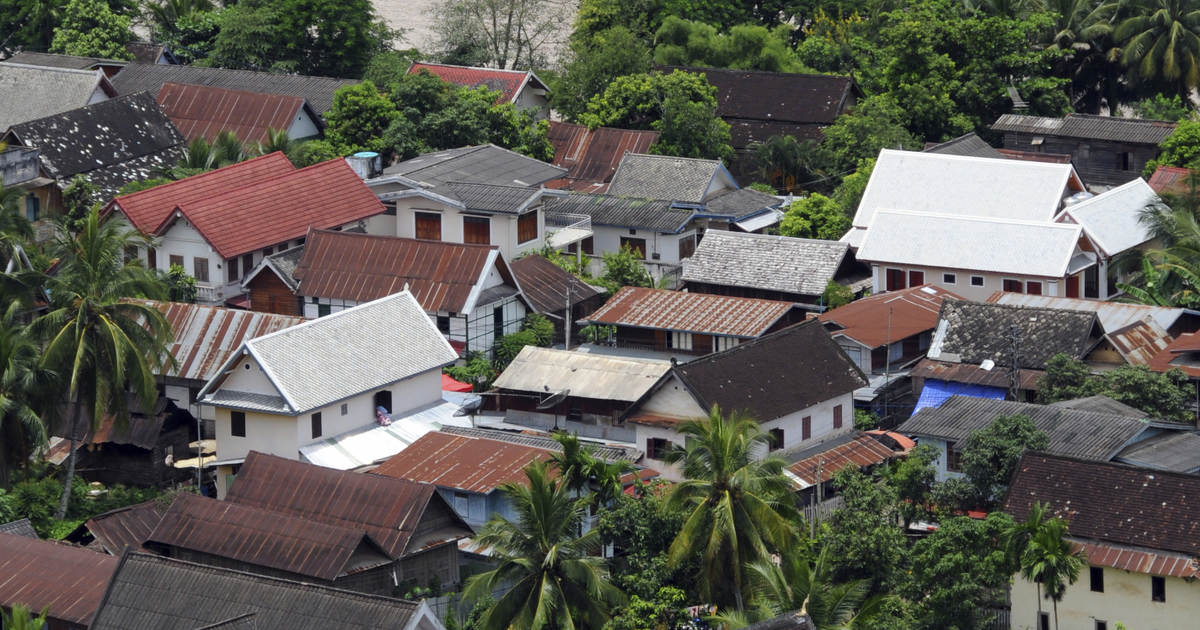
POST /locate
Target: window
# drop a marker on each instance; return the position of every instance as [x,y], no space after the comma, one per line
[916,278]
[316,425]
[232,266]
[976,281]
[776,439]
[443,324]
[268,251]
[389,209]
[837,416]
[806,428]
[429,226]
[632,232]
[638,245]
[1073,286]
[1012,286]
[679,341]
[1101,625]
[724,343]
[953,458]
[575,413]
[1126,160]
[589,246]
[175,260]
[324,309]
[1097,575]
[656,448]
[1158,588]
[498,321]
[384,399]
[131,254]
[895,279]
[345,408]
[1033,288]
[247,263]
[33,207]
[462,504]
[237,423]
[949,278]
[201,268]
[687,246]
[477,230]
[527,227]
[1043,621]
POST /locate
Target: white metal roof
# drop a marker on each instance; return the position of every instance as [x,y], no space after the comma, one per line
[586,375]
[1111,219]
[964,186]
[988,245]
[372,443]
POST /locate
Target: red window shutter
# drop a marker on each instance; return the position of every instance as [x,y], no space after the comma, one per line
[916,278]
[1033,288]
[1073,287]
[837,416]
[527,227]
[477,230]
[429,226]
[806,428]
[895,279]
[1012,286]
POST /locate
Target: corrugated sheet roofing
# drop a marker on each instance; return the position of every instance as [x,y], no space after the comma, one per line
[125,527]
[586,375]
[203,112]
[971,333]
[493,198]
[508,82]
[1126,559]
[1100,404]
[606,451]
[1179,354]
[691,312]
[860,450]
[1112,219]
[626,212]
[484,164]
[741,203]
[969,145]
[1138,343]
[777,96]
[663,177]
[760,261]
[51,60]
[20,528]
[1169,179]
[150,77]
[1088,127]
[963,186]
[1113,315]
[593,156]
[1178,452]
[372,443]
[545,284]
[877,320]
[460,462]
[38,573]
[32,92]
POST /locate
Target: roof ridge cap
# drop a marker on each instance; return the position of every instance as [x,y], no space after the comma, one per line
[256,185]
[197,176]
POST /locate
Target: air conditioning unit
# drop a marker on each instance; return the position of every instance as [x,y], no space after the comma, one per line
[656,256]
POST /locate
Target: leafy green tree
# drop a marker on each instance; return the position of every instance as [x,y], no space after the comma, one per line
[99,345]
[1159,107]
[78,199]
[683,42]
[740,508]
[390,66]
[1181,148]
[640,17]
[836,295]
[794,584]
[641,531]
[865,534]
[1052,561]
[692,130]
[165,14]
[849,193]
[313,152]
[593,64]
[624,268]
[189,27]
[666,611]
[1160,395]
[556,581]
[358,119]
[815,216]
[91,29]
[874,124]
[477,370]
[913,479]
[1160,40]
[831,41]
[990,455]
[181,287]
[1066,378]
[785,162]
[21,618]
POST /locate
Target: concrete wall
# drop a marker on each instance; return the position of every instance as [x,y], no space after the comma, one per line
[303,126]
[503,227]
[673,400]
[821,423]
[1126,598]
[608,239]
[962,284]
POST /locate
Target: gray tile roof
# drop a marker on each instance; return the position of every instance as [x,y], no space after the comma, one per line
[608,453]
[286,262]
[484,164]
[493,198]
[774,263]
[50,60]
[1086,434]
[663,177]
[625,212]
[1179,452]
[357,350]
[970,145]
[1113,219]
[1088,127]
[977,331]
[31,92]
[155,593]
[1100,404]
[112,142]
[248,401]
[150,77]
[740,203]
[20,528]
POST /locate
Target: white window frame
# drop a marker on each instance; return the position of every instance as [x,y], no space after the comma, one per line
[721,342]
[982,281]
[681,340]
[953,276]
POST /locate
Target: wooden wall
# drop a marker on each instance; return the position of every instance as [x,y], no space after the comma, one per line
[269,294]
[1098,163]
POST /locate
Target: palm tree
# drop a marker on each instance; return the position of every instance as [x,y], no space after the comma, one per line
[1083,28]
[15,228]
[572,463]
[1161,41]
[22,618]
[228,149]
[277,140]
[1154,286]
[198,155]
[557,584]
[166,13]
[100,345]
[1052,561]
[794,584]
[784,162]
[606,481]
[739,509]
[21,430]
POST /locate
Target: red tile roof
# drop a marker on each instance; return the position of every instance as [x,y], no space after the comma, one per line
[694,312]
[861,450]
[912,311]
[593,156]
[203,111]
[507,81]
[39,573]
[460,462]
[147,209]
[1169,179]
[272,211]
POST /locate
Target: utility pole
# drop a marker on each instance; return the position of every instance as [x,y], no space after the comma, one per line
[1014,371]
[567,314]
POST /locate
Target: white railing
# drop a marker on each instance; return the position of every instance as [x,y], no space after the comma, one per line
[560,222]
[207,293]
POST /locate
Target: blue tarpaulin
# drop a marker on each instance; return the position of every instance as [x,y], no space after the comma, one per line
[936,392]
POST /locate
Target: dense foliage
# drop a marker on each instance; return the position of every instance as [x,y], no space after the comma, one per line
[1164,395]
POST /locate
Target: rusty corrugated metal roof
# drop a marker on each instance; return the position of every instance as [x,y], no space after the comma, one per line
[1113,315]
[876,320]
[1169,179]
[861,450]
[461,462]
[1154,563]
[262,537]
[1179,354]
[204,111]
[593,156]
[595,376]
[546,284]
[691,312]
[205,336]
[366,267]
[39,573]
[972,374]
[387,509]
[125,527]
[1138,343]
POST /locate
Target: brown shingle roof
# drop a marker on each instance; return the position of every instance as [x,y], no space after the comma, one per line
[201,111]
[693,312]
[461,462]
[879,319]
[545,284]
[70,580]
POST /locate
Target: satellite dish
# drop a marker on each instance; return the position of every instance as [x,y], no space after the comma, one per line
[554,399]
[470,407]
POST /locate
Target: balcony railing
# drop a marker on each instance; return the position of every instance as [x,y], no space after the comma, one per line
[207,293]
[564,229]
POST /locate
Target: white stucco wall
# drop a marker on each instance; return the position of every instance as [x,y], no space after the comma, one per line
[962,282]
[606,239]
[503,227]
[1126,598]
[303,126]
[533,98]
[821,427]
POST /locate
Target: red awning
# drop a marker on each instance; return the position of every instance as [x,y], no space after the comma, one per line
[451,385]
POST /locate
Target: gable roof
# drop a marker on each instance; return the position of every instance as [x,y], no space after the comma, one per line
[821,462]
[660,309]
[774,375]
[129,526]
[1169,179]
[508,82]
[601,377]
[113,142]
[1179,354]
[150,77]
[969,145]
[1088,127]
[593,155]
[72,62]
[975,244]
[761,261]
[40,573]
[283,264]
[496,199]
[264,538]
[33,92]
[1110,502]
[978,331]
[155,592]
[965,186]
[626,212]
[1112,219]
[464,463]
[387,509]
[483,164]
[877,320]
[203,112]
[1087,434]
[789,97]
[20,528]
[1100,404]
[546,285]
[667,177]
[741,203]
[357,350]
[148,209]
[363,267]
[1113,315]
[283,208]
